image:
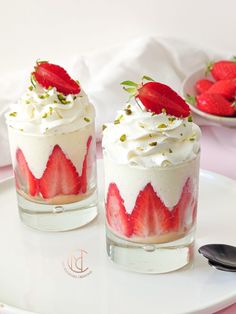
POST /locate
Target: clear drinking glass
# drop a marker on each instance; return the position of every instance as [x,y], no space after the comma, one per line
[55,177]
[151,215]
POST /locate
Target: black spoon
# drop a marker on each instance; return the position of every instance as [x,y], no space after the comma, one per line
[221,267]
[222,254]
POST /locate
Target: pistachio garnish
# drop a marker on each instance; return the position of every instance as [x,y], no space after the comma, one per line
[123,138]
[162,126]
[86,119]
[153,144]
[13,114]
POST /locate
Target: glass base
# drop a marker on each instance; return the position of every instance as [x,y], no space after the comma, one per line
[58,217]
[151,258]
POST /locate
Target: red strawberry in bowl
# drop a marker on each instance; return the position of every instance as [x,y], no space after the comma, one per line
[203,85]
[157,97]
[226,88]
[52,75]
[216,104]
[223,69]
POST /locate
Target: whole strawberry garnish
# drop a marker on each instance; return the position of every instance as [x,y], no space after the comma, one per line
[226,88]
[223,69]
[52,75]
[157,97]
[203,85]
[215,104]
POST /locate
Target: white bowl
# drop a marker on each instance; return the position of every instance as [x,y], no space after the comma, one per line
[188,88]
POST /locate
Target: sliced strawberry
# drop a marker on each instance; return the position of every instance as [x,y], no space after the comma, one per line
[181,210]
[150,216]
[48,74]
[157,96]
[117,217]
[84,178]
[60,176]
[203,85]
[25,180]
[226,88]
[215,104]
[223,70]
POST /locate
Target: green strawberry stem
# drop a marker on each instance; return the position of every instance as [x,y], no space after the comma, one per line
[132,88]
[190,99]
[209,68]
[234,58]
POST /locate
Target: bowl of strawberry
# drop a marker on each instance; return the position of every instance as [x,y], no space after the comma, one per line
[211,92]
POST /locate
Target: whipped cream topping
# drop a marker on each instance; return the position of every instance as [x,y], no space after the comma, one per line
[46,111]
[141,138]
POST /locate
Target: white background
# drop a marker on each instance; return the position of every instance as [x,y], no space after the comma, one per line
[60,29]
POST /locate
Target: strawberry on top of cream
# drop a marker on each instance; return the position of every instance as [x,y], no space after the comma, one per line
[54,103]
[139,137]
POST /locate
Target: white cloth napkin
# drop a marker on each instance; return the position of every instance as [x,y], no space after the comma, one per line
[100,73]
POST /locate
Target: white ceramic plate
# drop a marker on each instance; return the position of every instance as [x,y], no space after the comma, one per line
[34,273]
[189,89]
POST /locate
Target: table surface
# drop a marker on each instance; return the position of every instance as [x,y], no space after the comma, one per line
[218,150]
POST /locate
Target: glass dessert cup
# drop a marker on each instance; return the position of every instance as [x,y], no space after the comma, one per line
[151,215]
[55,178]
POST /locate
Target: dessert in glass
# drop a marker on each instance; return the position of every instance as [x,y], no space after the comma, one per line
[52,141]
[151,159]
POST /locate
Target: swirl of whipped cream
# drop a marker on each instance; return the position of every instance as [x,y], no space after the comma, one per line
[46,111]
[141,138]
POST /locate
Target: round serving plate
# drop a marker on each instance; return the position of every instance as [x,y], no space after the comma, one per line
[69,272]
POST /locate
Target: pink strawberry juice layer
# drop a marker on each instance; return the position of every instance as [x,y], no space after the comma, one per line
[55,169]
[151,205]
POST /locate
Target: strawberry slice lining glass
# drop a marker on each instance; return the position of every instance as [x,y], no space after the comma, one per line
[151,160]
[52,140]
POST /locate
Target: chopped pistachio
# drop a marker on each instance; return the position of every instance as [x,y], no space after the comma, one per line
[50,110]
[44,115]
[117,121]
[74,97]
[104,127]
[13,114]
[170,150]
[162,126]
[44,96]
[150,135]
[123,138]
[62,99]
[55,102]
[22,130]
[128,106]
[171,119]
[190,119]
[139,148]
[86,119]
[31,87]
[128,111]
[153,144]
[27,102]
[184,125]
[192,139]
[181,134]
